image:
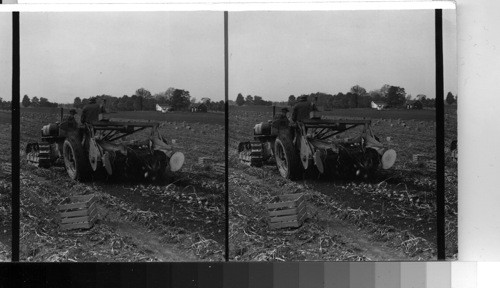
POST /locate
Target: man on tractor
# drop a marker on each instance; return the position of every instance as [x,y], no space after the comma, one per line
[281,123]
[90,112]
[302,109]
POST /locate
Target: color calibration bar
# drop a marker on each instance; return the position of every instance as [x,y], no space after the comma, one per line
[247,275]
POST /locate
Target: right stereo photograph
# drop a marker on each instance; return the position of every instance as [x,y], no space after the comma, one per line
[332,135]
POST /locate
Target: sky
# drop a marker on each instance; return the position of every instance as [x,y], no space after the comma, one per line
[277,54]
[6,56]
[272,54]
[74,54]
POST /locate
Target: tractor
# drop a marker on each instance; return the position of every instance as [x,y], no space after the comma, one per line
[317,144]
[100,148]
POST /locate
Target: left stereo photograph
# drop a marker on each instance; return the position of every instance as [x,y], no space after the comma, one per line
[122,136]
[5,136]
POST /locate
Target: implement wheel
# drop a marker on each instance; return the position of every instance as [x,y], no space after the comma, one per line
[77,165]
[287,158]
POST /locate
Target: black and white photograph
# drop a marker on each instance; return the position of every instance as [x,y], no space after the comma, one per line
[332,135]
[122,136]
[5,136]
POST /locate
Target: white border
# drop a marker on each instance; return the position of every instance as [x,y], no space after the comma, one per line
[232,7]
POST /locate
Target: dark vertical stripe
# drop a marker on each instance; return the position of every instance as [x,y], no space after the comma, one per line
[82,275]
[107,275]
[311,275]
[58,275]
[158,275]
[362,275]
[31,275]
[226,134]
[184,275]
[286,275]
[210,275]
[15,135]
[337,274]
[260,275]
[236,275]
[440,197]
[133,275]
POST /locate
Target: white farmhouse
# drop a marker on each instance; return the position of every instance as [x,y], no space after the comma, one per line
[378,105]
[163,108]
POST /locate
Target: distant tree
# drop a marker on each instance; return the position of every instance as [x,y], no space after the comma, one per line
[249,100]
[408,97]
[396,96]
[420,97]
[257,100]
[456,98]
[129,104]
[353,99]
[193,100]
[358,90]
[180,99]
[149,104]
[450,99]
[35,102]
[77,103]
[240,100]
[340,101]
[291,100]
[141,92]
[384,90]
[376,95]
[44,102]
[364,101]
[205,100]
[169,93]
[26,101]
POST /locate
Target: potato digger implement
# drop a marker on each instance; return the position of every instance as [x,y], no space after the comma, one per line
[318,144]
[100,148]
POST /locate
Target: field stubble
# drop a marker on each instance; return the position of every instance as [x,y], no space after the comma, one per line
[176,219]
[395,213]
[5,186]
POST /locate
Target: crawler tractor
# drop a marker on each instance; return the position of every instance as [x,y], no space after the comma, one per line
[317,144]
[99,148]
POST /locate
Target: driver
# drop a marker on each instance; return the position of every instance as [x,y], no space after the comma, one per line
[281,122]
[302,109]
[90,112]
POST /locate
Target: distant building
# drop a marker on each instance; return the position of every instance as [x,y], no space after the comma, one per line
[413,104]
[163,108]
[198,107]
[378,105]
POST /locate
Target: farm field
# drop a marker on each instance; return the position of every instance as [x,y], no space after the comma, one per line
[180,218]
[391,217]
[5,186]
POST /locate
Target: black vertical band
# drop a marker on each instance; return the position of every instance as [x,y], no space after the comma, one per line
[15,135]
[226,137]
[440,197]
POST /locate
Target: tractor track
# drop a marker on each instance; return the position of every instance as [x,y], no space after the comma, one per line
[179,218]
[394,204]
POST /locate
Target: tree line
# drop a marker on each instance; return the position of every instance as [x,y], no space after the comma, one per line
[141,100]
[252,100]
[357,97]
[5,105]
[37,102]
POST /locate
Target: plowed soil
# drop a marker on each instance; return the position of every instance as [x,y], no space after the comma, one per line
[179,218]
[389,217]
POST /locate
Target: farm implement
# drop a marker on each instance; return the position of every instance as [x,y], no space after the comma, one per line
[100,148]
[317,144]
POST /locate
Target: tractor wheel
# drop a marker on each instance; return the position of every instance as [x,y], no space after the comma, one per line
[287,158]
[77,165]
